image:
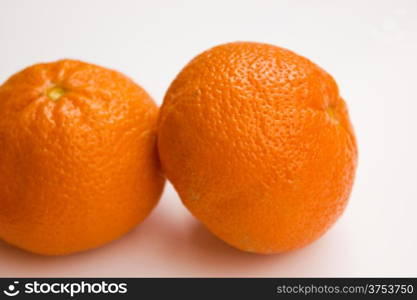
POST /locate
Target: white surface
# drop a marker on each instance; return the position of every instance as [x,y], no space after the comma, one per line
[370,47]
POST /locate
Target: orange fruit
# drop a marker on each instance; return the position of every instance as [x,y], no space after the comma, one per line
[258,144]
[78,159]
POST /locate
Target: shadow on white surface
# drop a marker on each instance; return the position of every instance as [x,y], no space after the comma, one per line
[198,251]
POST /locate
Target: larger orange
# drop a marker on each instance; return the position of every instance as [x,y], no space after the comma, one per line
[257,141]
[78,161]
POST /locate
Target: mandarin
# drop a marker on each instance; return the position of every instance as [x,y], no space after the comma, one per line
[258,144]
[78,159]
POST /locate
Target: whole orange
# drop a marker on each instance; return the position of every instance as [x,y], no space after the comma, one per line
[78,159]
[258,144]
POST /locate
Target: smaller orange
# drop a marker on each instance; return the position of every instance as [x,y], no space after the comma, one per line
[78,160]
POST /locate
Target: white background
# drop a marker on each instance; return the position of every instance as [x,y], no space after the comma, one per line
[370,47]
